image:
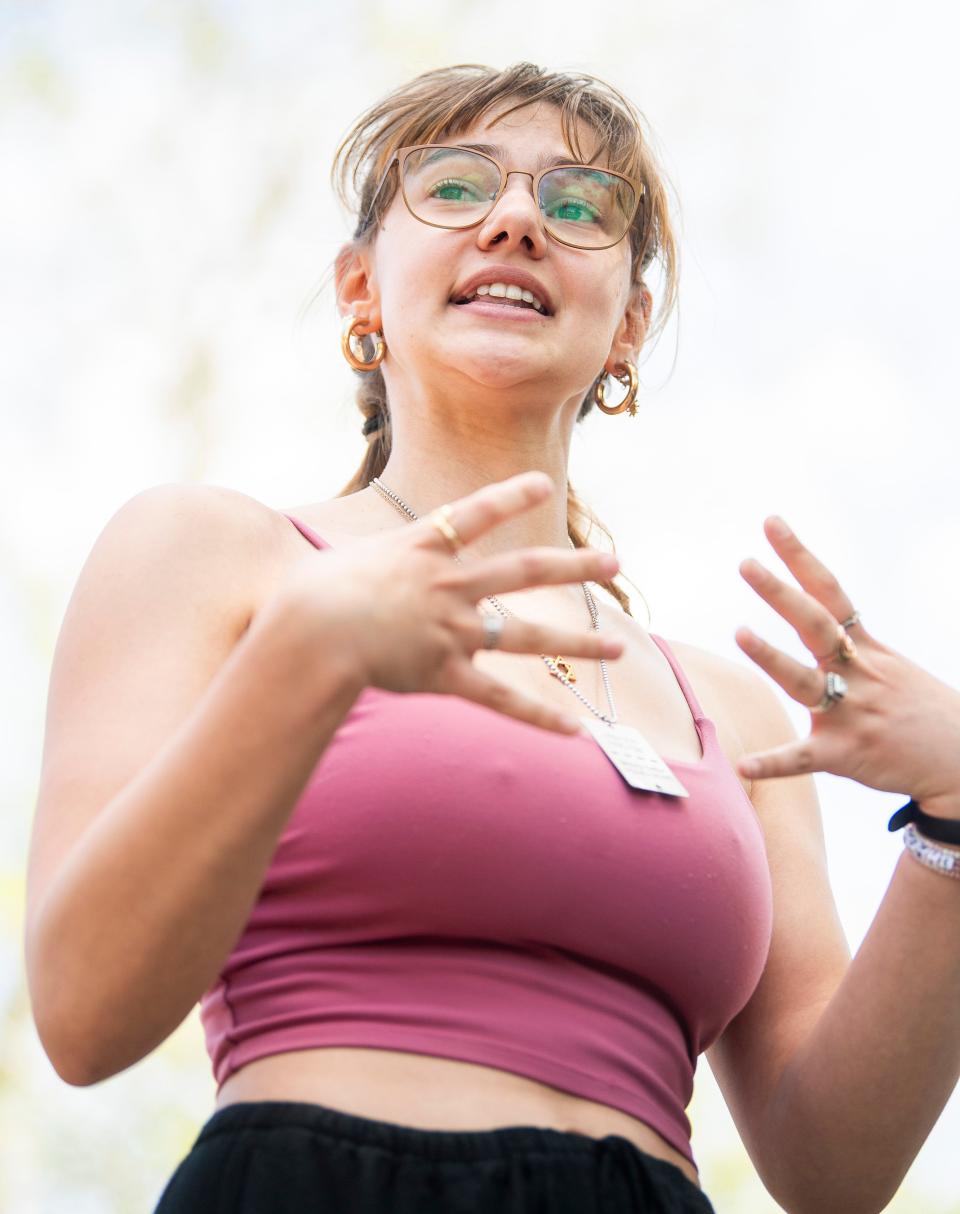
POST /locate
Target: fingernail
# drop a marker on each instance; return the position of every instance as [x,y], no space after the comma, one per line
[779,527]
[749,767]
[609,564]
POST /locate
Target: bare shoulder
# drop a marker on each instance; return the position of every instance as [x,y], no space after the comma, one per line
[719,678]
[744,704]
[206,511]
[751,716]
[221,545]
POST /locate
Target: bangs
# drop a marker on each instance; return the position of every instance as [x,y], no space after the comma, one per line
[440,105]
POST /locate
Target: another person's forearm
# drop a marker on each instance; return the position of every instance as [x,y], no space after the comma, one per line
[148,905]
[856,1103]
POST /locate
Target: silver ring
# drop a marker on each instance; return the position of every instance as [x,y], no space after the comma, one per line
[492,628]
[851,620]
[834,691]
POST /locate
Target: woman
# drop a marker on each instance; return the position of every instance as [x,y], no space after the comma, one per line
[461,920]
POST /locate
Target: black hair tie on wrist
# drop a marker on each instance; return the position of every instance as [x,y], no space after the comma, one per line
[944,830]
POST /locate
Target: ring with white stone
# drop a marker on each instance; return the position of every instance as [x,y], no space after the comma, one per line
[492,628]
[835,690]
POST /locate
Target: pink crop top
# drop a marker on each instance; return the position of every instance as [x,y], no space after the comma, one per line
[456,882]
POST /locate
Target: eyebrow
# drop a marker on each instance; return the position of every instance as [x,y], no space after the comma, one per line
[543,162]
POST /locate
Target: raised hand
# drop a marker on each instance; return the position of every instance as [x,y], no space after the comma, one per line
[406,612]
[897,728]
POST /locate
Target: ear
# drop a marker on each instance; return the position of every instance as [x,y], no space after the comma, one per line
[357,293]
[631,331]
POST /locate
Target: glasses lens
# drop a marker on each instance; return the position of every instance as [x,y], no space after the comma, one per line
[586,206]
[450,187]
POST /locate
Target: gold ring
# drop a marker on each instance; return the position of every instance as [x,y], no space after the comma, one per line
[441,520]
[846,650]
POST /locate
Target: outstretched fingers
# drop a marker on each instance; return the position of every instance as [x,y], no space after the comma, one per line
[528,567]
[474,684]
[795,758]
[803,683]
[523,636]
[815,625]
[812,574]
[485,508]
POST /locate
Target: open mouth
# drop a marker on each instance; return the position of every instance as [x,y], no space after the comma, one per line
[502,295]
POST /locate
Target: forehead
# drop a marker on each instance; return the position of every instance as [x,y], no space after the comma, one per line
[533,128]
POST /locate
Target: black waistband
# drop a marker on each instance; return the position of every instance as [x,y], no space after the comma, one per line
[450,1145]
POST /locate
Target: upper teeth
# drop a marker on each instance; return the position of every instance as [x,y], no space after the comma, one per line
[509,290]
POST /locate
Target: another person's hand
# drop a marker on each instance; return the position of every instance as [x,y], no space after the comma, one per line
[408,611]
[897,728]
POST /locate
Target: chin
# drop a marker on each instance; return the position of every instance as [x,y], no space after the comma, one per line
[500,360]
[496,369]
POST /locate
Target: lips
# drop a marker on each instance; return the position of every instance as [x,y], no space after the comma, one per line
[500,293]
[509,276]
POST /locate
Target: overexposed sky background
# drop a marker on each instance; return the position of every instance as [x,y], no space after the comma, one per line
[165,217]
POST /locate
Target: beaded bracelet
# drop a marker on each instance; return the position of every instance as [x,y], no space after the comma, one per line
[940,859]
[919,843]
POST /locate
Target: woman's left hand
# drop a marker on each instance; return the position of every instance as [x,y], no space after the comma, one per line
[896,729]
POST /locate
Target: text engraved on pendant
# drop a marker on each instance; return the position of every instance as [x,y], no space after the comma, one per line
[634,758]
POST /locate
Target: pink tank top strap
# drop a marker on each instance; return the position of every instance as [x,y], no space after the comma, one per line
[694,704]
[307,532]
[682,679]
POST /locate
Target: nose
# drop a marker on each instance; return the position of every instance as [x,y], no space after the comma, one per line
[515,221]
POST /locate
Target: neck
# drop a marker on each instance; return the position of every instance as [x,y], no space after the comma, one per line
[440,454]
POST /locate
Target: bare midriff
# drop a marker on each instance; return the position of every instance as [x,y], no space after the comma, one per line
[429,1093]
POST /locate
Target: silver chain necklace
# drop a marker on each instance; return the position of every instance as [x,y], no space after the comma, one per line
[626,748]
[398,502]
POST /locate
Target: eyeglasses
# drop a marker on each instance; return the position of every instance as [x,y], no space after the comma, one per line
[447,186]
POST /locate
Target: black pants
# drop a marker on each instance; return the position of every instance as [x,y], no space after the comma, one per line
[288,1157]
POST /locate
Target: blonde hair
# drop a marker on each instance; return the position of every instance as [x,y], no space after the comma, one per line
[440,104]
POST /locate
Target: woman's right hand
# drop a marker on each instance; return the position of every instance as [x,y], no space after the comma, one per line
[409,613]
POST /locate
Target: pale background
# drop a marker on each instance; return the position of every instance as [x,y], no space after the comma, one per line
[164,217]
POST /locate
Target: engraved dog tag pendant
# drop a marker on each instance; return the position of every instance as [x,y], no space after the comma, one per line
[634,758]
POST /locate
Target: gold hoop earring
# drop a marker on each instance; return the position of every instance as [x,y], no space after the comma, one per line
[630,382]
[349,336]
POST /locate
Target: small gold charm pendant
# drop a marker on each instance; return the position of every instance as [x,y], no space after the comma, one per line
[564,668]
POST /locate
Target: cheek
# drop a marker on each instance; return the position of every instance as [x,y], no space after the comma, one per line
[603,283]
[413,274]
[597,310]
[616,278]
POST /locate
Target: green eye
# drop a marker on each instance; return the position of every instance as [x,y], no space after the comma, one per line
[452,190]
[574,209]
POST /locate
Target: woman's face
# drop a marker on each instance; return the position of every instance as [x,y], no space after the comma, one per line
[417,271]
